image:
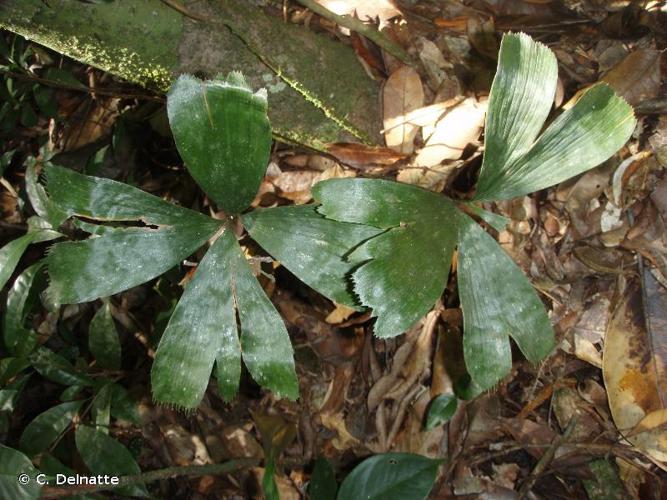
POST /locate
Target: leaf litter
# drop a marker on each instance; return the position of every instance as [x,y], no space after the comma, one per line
[593,410]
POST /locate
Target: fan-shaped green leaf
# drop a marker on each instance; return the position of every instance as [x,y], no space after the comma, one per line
[379,203]
[107,200]
[390,476]
[223,135]
[310,246]
[102,454]
[103,339]
[201,330]
[498,302]
[265,343]
[409,263]
[579,139]
[101,266]
[47,426]
[521,96]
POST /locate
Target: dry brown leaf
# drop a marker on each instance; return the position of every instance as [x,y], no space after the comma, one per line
[402,93]
[360,155]
[383,10]
[453,132]
[339,314]
[637,77]
[635,361]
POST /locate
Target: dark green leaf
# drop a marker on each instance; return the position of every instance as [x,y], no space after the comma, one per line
[322,484]
[47,426]
[45,99]
[120,259]
[103,339]
[12,464]
[101,408]
[11,253]
[223,135]
[498,302]
[390,476]
[64,78]
[104,455]
[201,330]
[123,405]
[56,368]
[10,394]
[28,116]
[19,339]
[10,367]
[310,246]
[409,263]
[582,137]
[441,410]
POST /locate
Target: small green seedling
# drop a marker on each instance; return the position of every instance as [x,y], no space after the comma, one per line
[406,267]
[223,135]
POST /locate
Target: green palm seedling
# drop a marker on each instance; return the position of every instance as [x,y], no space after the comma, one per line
[223,135]
[406,266]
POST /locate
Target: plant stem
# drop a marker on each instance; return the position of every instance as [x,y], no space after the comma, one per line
[154,475]
[360,27]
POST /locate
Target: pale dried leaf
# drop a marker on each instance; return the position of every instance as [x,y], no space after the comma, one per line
[402,93]
[458,128]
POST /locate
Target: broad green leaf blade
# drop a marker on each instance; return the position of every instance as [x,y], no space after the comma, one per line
[407,273]
[390,476]
[310,246]
[101,266]
[11,253]
[103,339]
[408,264]
[223,135]
[498,302]
[373,202]
[12,464]
[201,330]
[56,368]
[20,340]
[102,454]
[322,484]
[521,96]
[107,200]
[441,410]
[265,344]
[47,426]
[579,139]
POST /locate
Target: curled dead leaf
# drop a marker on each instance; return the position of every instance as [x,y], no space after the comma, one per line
[635,362]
